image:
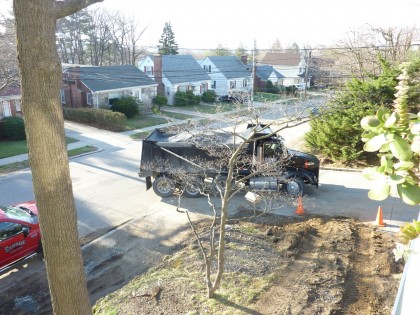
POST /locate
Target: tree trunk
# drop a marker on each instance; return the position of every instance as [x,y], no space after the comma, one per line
[40,78]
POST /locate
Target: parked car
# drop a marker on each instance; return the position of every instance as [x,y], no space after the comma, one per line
[20,235]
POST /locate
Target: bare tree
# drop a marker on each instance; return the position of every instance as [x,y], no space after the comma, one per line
[41,72]
[99,38]
[9,72]
[360,53]
[126,35]
[240,152]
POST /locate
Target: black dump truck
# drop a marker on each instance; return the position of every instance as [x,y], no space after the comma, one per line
[193,164]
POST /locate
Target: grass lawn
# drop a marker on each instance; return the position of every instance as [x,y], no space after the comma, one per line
[12,167]
[12,148]
[267,97]
[143,121]
[176,115]
[209,109]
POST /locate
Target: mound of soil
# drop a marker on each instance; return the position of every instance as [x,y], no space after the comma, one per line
[317,265]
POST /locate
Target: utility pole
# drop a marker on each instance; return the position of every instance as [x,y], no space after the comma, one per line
[253,73]
[307,61]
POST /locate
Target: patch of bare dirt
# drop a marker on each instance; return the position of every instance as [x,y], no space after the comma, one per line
[316,265]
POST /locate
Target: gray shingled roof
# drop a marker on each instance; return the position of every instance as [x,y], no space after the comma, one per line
[230,66]
[113,77]
[265,71]
[182,68]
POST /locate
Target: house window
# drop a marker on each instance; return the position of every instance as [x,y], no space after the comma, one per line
[232,84]
[62,96]
[89,99]
[203,87]
[148,70]
[6,111]
[168,91]
[17,106]
[245,83]
[191,87]
[207,68]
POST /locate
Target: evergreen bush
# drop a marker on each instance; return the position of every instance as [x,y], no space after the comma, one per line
[128,105]
[100,118]
[208,96]
[15,128]
[160,100]
[186,98]
[336,132]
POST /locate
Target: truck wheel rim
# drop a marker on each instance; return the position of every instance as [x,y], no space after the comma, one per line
[293,188]
[164,186]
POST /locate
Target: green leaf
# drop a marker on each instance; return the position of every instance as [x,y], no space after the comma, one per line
[395,179]
[415,145]
[381,191]
[415,128]
[409,193]
[367,135]
[390,122]
[375,143]
[372,173]
[380,114]
[386,163]
[401,149]
[403,166]
[370,123]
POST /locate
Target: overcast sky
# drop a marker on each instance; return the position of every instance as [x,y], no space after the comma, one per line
[206,24]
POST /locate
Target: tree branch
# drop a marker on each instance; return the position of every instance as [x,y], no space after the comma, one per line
[68,7]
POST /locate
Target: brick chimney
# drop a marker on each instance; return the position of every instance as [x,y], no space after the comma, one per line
[158,74]
[244,59]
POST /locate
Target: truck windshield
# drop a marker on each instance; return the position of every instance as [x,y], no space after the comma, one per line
[272,149]
[20,214]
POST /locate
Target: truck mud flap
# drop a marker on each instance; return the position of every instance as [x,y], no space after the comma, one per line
[148,182]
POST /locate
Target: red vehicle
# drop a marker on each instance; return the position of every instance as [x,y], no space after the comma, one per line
[20,235]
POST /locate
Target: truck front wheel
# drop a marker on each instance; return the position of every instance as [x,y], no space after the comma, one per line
[294,186]
[163,186]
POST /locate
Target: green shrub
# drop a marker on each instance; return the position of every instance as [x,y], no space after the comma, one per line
[186,98]
[208,96]
[271,88]
[336,133]
[160,100]
[3,134]
[100,118]
[128,105]
[15,128]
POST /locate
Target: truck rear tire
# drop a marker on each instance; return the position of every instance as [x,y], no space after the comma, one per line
[163,186]
[294,186]
[193,189]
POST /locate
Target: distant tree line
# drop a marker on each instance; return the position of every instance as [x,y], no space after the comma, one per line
[98,37]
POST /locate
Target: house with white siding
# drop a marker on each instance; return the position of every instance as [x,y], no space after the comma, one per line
[291,65]
[229,74]
[175,73]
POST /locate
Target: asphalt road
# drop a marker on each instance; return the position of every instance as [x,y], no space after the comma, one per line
[108,191]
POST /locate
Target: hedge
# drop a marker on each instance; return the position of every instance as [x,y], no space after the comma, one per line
[100,118]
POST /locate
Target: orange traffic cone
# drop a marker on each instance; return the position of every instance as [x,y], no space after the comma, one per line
[299,209]
[379,219]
